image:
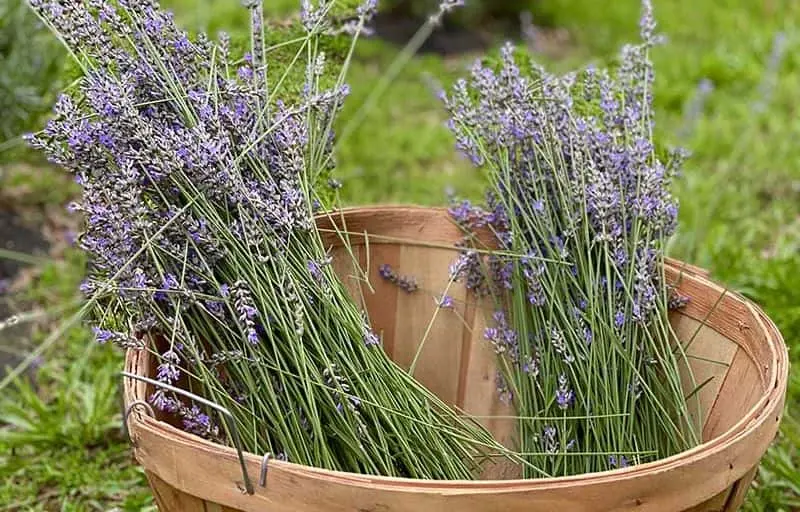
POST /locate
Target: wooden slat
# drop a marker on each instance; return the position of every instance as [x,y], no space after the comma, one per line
[729,314]
[215,507]
[439,352]
[469,312]
[739,491]
[170,499]
[709,357]
[741,388]
[715,504]
[350,272]
[381,296]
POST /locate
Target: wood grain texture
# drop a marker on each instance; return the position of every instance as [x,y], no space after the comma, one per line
[425,332]
[741,407]
[708,360]
[739,491]
[169,498]
[715,504]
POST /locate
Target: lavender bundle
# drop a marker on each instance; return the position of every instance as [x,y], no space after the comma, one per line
[199,190]
[581,207]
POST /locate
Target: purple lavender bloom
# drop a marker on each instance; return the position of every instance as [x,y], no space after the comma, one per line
[406,283]
[368,9]
[588,335]
[445,302]
[168,370]
[549,439]
[677,301]
[102,336]
[503,338]
[468,216]
[467,268]
[614,462]
[197,422]
[244,306]
[559,345]
[315,270]
[370,338]
[533,271]
[386,272]
[531,366]
[619,319]
[216,308]
[165,403]
[565,397]
[503,390]
[502,272]
[117,338]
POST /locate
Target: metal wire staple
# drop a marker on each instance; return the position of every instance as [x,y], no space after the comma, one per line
[248,485]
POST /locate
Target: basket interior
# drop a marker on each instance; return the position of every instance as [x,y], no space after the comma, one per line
[723,333]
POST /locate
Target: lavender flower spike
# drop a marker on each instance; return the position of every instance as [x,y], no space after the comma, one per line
[565,397]
[245,308]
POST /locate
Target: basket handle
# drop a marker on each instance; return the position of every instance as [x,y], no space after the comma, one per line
[248,485]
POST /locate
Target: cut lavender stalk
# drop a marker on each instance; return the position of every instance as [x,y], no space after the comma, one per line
[199,187]
[581,205]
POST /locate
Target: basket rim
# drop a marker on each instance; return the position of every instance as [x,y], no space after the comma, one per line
[770,403]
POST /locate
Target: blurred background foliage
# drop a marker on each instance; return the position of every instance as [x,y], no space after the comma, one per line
[30,72]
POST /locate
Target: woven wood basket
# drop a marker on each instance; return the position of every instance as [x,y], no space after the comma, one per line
[740,408]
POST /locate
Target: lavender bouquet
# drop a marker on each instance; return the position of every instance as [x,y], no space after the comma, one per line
[581,208]
[199,190]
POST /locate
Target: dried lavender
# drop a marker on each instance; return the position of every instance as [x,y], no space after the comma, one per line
[200,184]
[445,302]
[406,283]
[581,206]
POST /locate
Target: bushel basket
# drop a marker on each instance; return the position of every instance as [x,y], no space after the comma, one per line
[737,347]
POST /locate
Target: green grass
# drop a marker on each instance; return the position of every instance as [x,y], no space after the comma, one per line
[740,217]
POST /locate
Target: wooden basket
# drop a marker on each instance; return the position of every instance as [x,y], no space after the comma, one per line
[740,408]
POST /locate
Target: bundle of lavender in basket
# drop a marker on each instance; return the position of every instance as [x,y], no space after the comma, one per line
[199,190]
[581,207]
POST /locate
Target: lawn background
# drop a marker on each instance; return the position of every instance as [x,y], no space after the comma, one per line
[61,447]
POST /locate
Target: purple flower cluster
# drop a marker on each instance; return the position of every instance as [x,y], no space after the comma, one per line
[581,206]
[122,340]
[573,154]
[245,309]
[614,462]
[346,403]
[550,443]
[504,392]
[153,126]
[197,422]
[406,283]
[503,338]
[468,268]
[168,370]
[445,302]
[565,397]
